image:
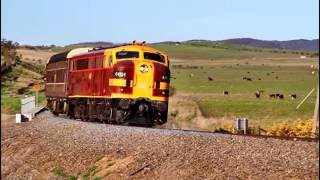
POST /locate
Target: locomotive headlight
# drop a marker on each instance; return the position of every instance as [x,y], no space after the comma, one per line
[144,68]
[120,74]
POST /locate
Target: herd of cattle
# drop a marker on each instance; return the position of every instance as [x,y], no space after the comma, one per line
[258,93]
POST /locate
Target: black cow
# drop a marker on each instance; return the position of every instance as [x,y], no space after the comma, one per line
[293,96]
[281,96]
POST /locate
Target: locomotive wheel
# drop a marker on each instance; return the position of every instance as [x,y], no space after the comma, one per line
[71,111]
[77,112]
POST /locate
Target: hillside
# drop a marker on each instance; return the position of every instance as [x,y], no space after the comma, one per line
[206,49]
[20,70]
[299,44]
[213,51]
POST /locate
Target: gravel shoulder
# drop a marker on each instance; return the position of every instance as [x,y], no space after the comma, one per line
[34,149]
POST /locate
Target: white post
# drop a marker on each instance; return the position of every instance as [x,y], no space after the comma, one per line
[304,99]
[316,115]
[18,118]
[36,99]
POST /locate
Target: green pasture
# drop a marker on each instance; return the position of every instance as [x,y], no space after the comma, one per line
[241,101]
[12,104]
[188,51]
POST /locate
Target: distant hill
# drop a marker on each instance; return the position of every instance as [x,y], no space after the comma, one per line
[296,45]
[299,44]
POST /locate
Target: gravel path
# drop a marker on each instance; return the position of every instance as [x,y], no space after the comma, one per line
[34,149]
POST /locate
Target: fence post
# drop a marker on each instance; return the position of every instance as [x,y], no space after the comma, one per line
[316,116]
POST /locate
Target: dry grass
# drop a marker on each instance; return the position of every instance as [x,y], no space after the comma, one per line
[35,56]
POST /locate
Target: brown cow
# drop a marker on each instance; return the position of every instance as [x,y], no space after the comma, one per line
[272,96]
[257,93]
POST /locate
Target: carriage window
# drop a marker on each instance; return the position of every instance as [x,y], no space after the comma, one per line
[127,54]
[82,64]
[154,56]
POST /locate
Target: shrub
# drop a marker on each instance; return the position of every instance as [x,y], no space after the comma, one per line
[22,90]
[294,129]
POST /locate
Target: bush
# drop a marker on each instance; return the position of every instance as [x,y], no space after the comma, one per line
[22,90]
[294,129]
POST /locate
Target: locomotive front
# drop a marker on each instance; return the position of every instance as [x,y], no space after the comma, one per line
[140,85]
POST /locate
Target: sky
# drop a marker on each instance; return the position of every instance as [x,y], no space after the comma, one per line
[63,22]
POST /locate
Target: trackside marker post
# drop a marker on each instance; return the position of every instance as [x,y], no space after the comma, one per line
[305,98]
[37,88]
[316,116]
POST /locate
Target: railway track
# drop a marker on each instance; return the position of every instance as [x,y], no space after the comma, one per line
[209,132]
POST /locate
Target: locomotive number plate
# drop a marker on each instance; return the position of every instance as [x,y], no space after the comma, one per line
[142,85]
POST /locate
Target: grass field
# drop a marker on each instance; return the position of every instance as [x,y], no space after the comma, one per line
[188,51]
[241,101]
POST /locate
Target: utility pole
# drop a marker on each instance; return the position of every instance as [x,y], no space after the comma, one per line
[315,127]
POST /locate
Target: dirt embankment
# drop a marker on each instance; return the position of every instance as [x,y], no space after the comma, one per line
[50,147]
[184,113]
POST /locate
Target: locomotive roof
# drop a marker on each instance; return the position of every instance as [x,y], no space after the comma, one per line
[58,57]
[119,47]
[67,54]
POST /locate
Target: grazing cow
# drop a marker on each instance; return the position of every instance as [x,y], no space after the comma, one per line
[257,93]
[259,79]
[281,96]
[210,78]
[277,77]
[244,78]
[249,79]
[272,96]
[277,95]
[225,93]
[293,96]
[272,72]
[248,72]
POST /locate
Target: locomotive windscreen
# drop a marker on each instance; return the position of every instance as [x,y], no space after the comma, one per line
[127,54]
[153,56]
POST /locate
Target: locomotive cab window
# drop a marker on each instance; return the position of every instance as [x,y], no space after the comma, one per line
[154,57]
[127,54]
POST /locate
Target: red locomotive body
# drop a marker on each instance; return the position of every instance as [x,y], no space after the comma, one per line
[124,84]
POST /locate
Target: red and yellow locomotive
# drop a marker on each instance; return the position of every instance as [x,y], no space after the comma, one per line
[126,84]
